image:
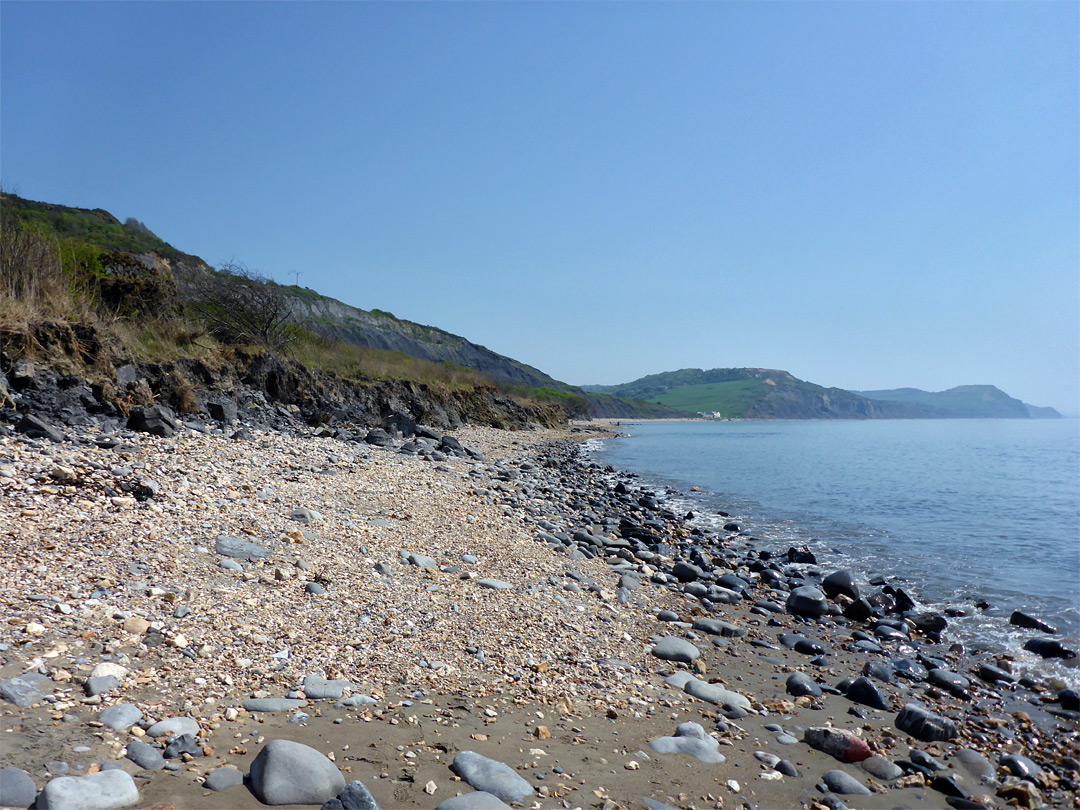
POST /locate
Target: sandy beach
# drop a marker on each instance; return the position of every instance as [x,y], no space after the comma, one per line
[437,592]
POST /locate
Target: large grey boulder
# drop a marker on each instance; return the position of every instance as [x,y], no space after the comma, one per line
[355,796]
[287,772]
[843,783]
[105,790]
[145,756]
[17,789]
[491,776]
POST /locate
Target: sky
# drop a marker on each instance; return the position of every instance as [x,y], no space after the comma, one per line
[867,195]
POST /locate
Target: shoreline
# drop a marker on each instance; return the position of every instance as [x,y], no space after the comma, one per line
[570,636]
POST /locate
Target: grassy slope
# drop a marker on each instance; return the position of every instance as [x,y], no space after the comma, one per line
[731,399]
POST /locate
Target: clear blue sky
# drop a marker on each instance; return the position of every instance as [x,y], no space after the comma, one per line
[868,195]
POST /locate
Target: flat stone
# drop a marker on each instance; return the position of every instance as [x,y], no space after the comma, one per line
[317,688]
[715,627]
[273,704]
[121,717]
[355,796]
[975,764]
[670,648]
[174,725]
[477,800]
[844,784]
[882,768]
[493,584]
[423,562]
[17,789]
[223,778]
[145,756]
[25,690]
[491,776]
[923,724]
[690,738]
[239,549]
[287,772]
[355,700]
[105,790]
[305,516]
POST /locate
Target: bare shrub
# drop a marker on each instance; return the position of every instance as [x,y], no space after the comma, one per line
[240,306]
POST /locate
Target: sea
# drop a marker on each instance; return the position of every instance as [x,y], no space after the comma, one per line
[955,510]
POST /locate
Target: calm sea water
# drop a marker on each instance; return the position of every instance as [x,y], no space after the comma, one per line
[960,509]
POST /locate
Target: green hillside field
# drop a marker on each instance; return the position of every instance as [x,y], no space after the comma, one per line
[731,399]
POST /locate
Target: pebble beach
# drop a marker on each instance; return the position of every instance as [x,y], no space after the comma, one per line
[476,620]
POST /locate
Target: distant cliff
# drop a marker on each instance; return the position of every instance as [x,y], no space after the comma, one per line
[965,401]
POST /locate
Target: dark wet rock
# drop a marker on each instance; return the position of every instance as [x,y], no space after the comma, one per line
[840,582]
[949,786]
[807,601]
[105,790]
[801,555]
[182,744]
[17,789]
[686,572]
[1021,766]
[912,670]
[690,738]
[378,437]
[862,690]
[239,549]
[844,783]
[491,776]
[355,796]
[1018,619]
[287,772]
[36,428]
[99,686]
[878,671]
[948,680]
[930,624]
[223,778]
[1048,648]
[923,724]
[1069,699]
[993,674]
[222,409]
[716,627]
[839,744]
[859,611]
[924,760]
[670,648]
[799,684]
[157,421]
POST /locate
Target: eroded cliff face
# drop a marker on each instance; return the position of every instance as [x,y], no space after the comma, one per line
[71,376]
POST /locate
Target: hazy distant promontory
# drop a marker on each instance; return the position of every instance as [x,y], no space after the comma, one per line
[758,393]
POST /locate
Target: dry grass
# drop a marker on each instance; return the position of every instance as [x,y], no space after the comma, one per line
[349,361]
